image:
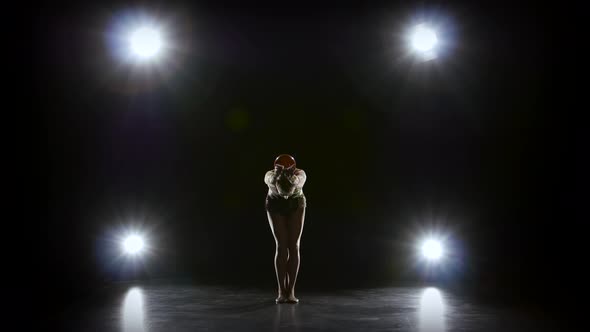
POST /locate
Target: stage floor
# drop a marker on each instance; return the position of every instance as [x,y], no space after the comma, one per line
[135,308]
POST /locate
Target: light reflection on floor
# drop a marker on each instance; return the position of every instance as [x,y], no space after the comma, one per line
[155,308]
[133,311]
[431,314]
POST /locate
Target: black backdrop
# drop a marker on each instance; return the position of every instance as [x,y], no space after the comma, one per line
[469,144]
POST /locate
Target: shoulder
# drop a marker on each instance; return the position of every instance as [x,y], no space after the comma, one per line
[269,174]
[299,171]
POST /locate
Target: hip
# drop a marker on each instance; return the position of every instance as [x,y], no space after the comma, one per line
[278,203]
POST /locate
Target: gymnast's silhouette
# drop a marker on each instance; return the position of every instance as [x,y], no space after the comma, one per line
[285,208]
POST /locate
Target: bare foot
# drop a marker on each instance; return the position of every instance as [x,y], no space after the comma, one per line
[281,299]
[292,299]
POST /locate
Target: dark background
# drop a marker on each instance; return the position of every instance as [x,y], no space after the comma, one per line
[471,145]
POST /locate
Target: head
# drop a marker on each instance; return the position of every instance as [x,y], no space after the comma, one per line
[286,161]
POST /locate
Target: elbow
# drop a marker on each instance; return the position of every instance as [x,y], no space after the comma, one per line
[302,180]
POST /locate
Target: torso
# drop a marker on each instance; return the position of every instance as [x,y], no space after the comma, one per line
[282,188]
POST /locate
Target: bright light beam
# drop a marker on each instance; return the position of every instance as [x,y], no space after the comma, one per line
[432,249]
[145,42]
[423,41]
[424,38]
[133,245]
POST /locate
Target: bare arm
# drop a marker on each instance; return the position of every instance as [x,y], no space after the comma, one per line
[270,178]
[299,178]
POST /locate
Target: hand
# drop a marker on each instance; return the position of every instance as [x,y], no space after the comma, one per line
[279,168]
[289,171]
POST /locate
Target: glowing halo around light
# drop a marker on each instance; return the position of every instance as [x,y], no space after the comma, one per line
[140,39]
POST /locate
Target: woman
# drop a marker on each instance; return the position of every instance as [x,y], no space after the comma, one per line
[285,208]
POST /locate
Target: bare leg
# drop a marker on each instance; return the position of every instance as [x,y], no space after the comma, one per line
[295,228]
[278,225]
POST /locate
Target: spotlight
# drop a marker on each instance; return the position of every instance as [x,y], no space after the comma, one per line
[145,42]
[423,38]
[432,250]
[423,42]
[133,245]
[140,39]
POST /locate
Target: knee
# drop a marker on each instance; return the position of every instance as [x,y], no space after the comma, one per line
[294,249]
[282,250]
